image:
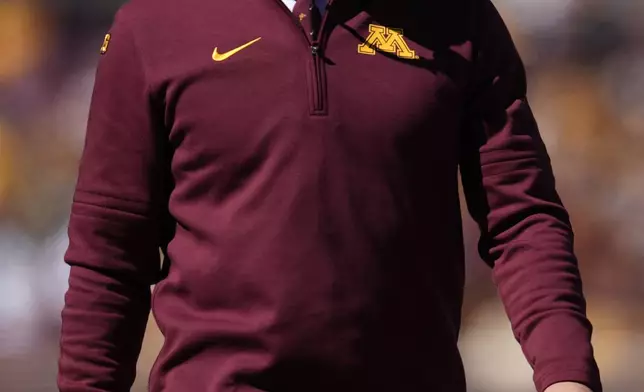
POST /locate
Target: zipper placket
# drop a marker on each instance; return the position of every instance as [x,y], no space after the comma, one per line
[314,44]
[317,70]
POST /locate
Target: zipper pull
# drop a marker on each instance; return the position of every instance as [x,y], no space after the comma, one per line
[315,49]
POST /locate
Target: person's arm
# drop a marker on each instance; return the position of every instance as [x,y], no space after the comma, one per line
[115,227]
[567,387]
[525,230]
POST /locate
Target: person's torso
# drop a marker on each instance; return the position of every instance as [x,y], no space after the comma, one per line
[318,237]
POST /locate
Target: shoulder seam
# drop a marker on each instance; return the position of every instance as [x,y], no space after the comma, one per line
[136,45]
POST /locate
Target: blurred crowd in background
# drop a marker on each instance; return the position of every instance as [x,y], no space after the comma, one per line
[585,61]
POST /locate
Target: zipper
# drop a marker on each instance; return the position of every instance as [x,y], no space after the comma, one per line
[314,45]
[318,65]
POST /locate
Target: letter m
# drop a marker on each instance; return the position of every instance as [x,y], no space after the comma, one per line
[386,40]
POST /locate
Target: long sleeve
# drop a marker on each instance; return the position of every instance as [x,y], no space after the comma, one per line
[525,230]
[115,227]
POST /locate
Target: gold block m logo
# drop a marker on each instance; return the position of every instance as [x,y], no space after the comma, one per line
[386,40]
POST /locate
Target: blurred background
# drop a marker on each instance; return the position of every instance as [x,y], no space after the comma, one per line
[585,60]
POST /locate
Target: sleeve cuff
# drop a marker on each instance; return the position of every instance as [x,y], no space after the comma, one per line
[588,377]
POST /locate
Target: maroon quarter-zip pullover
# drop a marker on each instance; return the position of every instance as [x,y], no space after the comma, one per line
[304,192]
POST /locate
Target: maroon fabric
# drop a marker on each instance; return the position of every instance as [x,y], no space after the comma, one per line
[309,16]
[307,203]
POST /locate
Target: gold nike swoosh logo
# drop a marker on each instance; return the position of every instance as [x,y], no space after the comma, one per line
[223,56]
